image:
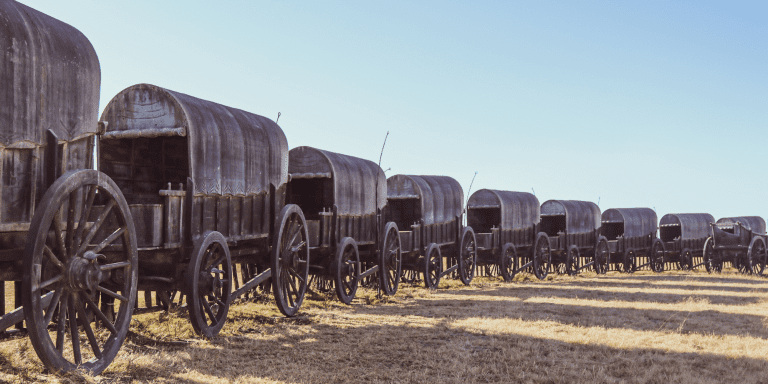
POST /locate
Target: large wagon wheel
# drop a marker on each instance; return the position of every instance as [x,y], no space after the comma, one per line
[80,216]
[756,254]
[657,256]
[290,260]
[209,283]
[390,260]
[686,260]
[467,256]
[572,261]
[433,266]
[628,262]
[709,256]
[542,256]
[346,268]
[602,256]
[508,262]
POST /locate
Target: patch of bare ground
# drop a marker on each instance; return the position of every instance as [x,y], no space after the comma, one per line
[649,328]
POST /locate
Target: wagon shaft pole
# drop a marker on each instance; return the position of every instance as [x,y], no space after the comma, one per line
[449,270]
[260,278]
[17,315]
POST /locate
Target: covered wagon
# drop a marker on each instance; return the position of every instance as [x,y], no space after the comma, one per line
[738,240]
[631,236]
[683,235]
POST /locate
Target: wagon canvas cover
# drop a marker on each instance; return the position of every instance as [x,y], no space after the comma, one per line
[637,221]
[355,180]
[519,210]
[692,225]
[49,78]
[440,197]
[231,151]
[580,216]
[756,224]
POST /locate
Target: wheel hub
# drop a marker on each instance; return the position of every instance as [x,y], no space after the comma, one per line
[83,273]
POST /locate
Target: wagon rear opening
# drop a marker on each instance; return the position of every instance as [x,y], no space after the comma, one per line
[405,212]
[670,232]
[553,225]
[483,219]
[314,195]
[144,166]
[613,230]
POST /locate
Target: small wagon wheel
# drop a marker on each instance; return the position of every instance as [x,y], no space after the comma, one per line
[390,260]
[209,283]
[710,257]
[542,256]
[756,254]
[80,216]
[433,266]
[686,260]
[657,256]
[290,260]
[467,256]
[602,256]
[573,261]
[628,263]
[508,262]
[346,269]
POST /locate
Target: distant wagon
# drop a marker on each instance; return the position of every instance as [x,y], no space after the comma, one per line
[631,236]
[739,240]
[53,204]
[348,238]
[683,235]
[570,233]
[506,225]
[430,208]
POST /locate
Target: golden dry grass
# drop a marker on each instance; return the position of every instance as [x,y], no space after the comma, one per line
[673,327]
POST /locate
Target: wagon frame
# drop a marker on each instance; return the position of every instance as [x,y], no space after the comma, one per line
[739,240]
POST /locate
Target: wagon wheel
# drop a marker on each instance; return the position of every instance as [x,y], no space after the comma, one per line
[209,283]
[657,256]
[433,266]
[508,262]
[290,260]
[602,256]
[686,260]
[573,261]
[756,254]
[346,268]
[542,256]
[80,216]
[409,276]
[467,256]
[390,260]
[629,264]
[709,255]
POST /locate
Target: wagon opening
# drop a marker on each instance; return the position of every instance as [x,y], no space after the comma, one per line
[404,211]
[553,224]
[613,230]
[670,232]
[483,218]
[141,167]
[311,193]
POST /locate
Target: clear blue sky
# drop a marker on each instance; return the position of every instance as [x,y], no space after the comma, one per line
[635,103]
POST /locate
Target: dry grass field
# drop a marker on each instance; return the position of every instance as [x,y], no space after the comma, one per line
[673,327]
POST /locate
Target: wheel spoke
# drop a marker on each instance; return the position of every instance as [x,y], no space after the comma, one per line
[73,331]
[53,259]
[107,267]
[89,331]
[84,213]
[48,283]
[52,306]
[208,310]
[110,293]
[95,309]
[95,228]
[58,232]
[109,239]
[62,323]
